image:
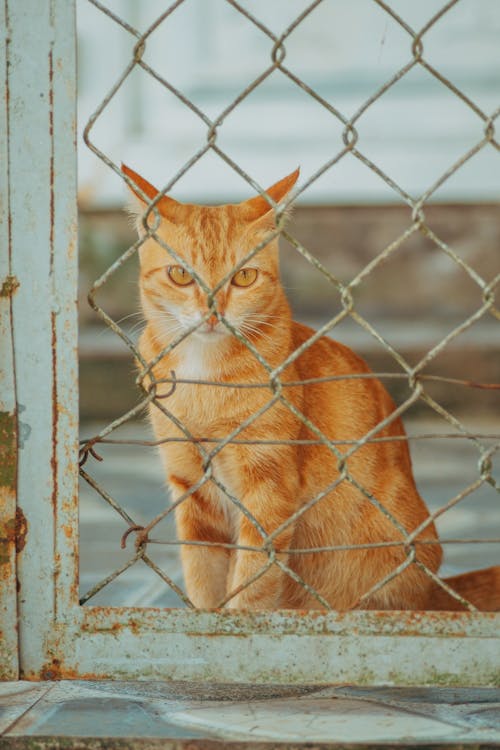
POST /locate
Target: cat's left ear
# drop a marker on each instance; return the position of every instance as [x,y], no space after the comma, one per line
[258,209]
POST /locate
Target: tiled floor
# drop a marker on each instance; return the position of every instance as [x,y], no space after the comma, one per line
[194,716]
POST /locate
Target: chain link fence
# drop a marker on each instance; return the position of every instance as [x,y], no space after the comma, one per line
[156,392]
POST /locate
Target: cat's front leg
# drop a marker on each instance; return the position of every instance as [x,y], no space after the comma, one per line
[271,503]
[205,567]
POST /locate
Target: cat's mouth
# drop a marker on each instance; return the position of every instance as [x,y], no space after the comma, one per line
[209,332]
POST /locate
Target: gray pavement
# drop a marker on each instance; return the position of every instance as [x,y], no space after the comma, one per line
[183,716]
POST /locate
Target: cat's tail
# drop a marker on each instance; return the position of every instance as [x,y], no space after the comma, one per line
[480,587]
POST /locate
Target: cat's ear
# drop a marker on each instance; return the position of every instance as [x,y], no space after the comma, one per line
[168,208]
[259,209]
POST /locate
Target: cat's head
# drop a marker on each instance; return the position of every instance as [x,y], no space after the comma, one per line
[211,241]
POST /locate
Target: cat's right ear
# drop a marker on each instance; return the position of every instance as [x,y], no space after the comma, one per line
[259,210]
[144,192]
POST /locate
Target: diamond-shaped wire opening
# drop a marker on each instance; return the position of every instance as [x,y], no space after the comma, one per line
[405,547]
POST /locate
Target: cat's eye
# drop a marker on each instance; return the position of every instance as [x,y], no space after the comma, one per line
[179,275]
[244,277]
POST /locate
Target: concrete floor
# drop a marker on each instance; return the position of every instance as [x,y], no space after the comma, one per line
[180,715]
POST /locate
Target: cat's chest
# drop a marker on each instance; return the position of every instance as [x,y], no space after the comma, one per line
[203,410]
[204,400]
[194,362]
[201,400]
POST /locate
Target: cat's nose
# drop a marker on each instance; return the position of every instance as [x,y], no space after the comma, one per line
[212,322]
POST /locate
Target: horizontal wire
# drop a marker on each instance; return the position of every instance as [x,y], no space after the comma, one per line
[315,550]
[332,379]
[263,441]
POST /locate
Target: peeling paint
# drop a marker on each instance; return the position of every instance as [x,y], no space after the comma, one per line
[24,432]
[21,530]
[13,532]
[9,286]
[7,540]
[56,670]
[8,449]
[8,480]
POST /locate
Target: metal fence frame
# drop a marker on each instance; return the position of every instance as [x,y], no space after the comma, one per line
[46,634]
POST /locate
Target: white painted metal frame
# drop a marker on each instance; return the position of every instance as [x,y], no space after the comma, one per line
[57,637]
[9,665]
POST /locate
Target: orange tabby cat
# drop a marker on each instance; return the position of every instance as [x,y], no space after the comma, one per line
[275,481]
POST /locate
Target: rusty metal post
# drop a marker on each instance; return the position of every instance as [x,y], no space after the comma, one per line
[9,663]
[39,311]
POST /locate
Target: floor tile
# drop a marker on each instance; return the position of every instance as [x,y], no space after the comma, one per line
[316,720]
[463,707]
[16,698]
[75,710]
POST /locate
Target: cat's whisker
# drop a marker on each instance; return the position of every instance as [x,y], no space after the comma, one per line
[256,324]
[168,324]
[269,325]
[247,328]
[138,328]
[142,323]
[130,315]
[264,316]
[163,340]
[118,322]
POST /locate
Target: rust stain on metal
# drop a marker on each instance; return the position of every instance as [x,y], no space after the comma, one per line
[413,619]
[20,529]
[9,287]
[54,463]
[53,460]
[52,670]
[132,626]
[13,533]
[52,169]
[7,540]
[8,449]
[56,670]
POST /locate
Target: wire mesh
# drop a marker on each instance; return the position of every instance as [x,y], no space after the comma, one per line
[156,392]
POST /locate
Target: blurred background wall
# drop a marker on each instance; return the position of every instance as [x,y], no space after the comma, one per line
[344,51]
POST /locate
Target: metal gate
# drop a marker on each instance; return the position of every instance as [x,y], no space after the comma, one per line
[46,633]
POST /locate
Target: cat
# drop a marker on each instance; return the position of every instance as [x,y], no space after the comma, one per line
[275,481]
